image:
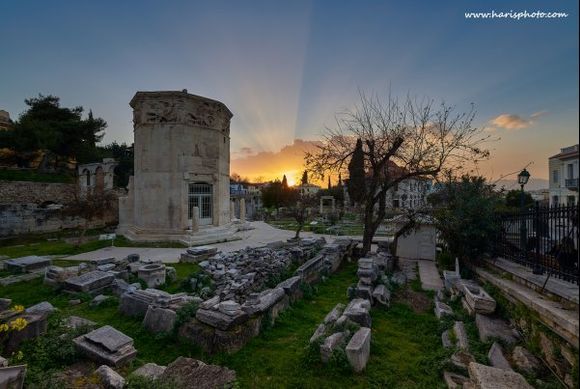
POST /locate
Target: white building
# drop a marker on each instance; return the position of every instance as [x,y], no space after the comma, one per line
[564,176]
[308,189]
[410,193]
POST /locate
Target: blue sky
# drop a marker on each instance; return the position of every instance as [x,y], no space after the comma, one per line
[285,67]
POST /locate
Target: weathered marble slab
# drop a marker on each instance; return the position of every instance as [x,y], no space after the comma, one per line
[219,319]
[106,345]
[486,377]
[479,300]
[496,357]
[92,281]
[494,327]
[358,349]
[330,344]
[26,264]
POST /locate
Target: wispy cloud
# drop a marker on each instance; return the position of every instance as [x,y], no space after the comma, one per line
[515,122]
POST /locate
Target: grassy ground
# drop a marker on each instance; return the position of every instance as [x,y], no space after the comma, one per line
[406,349]
[64,246]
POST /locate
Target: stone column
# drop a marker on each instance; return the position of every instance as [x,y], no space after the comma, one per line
[243,209]
[194,226]
[232,210]
[333,205]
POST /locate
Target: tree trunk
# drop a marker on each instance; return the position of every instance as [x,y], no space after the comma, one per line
[297,236]
[369,230]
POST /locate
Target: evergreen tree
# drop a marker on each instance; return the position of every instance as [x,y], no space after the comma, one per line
[284,182]
[57,131]
[356,169]
[304,179]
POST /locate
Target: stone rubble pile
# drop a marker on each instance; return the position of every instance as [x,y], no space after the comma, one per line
[243,303]
[346,328]
[159,308]
[235,275]
[373,284]
[477,302]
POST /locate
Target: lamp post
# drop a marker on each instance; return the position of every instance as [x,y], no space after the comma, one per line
[523,178]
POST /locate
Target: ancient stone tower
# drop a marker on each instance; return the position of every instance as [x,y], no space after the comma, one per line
[182,164]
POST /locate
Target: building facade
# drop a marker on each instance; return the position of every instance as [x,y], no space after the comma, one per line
[307,189]
[248,196]
[98,175]
[564,176]
[410,194]
[182,163]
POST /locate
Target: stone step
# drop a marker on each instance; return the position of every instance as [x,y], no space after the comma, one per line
[553,314]
[557,289]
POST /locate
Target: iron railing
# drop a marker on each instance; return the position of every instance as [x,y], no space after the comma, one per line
[542,238]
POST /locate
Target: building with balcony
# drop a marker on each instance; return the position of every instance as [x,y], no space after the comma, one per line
[564,176]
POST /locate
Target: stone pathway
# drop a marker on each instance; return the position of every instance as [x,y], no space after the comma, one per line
[429,275]
[262,234]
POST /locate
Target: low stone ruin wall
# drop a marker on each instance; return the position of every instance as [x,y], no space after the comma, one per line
[237,313]
[35,207]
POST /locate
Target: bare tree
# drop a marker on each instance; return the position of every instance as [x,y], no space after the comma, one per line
[301,211]
[401,140]
[89,204]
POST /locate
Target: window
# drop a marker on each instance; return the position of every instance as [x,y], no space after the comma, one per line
[554,200]
[570,171]
[200,196]
[556,177]
[571,200]
[396,203]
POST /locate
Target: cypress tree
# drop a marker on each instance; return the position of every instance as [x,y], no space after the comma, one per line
[356,170]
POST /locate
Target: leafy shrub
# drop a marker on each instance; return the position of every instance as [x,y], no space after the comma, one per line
[184,314]
[51,351]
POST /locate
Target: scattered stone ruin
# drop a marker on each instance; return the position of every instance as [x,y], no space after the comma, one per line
[477,302]
[244,302]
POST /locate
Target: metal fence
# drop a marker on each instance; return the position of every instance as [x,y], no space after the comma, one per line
[542,238]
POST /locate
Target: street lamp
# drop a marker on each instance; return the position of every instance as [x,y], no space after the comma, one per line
[523,178]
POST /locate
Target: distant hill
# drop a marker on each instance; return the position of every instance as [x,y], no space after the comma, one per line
[533,184]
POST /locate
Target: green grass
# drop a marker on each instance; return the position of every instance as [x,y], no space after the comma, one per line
[406,350]
[28,175]
[58,246]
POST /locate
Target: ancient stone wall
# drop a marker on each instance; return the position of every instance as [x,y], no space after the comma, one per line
[34,207]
